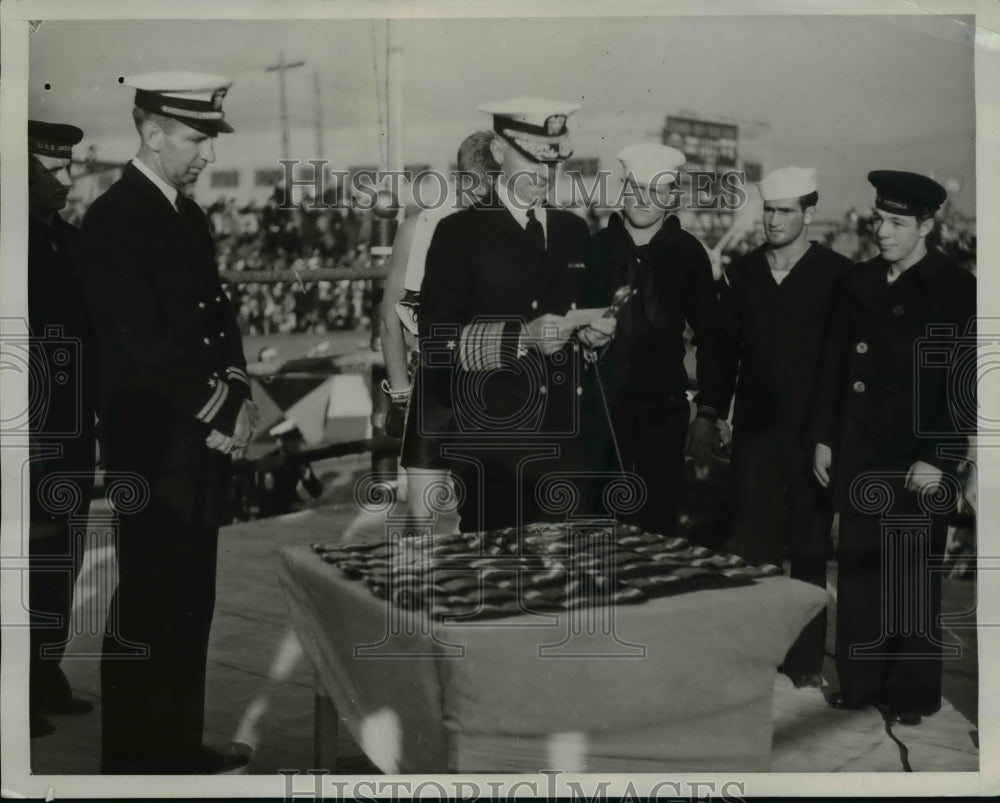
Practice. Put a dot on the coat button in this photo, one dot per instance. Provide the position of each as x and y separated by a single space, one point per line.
859 387
222 334
898 310
543 389
862 348
579 390
534 305
218 298
201 305
573 305
206 341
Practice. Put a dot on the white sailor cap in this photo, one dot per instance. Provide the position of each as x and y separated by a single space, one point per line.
536 127
648 163
193 98
787 182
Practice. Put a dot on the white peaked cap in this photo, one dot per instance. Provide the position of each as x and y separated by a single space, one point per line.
648 161
787 182
530 110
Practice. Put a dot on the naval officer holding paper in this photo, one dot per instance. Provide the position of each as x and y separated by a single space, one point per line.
501 363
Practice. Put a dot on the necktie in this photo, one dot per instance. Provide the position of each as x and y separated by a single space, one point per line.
535 231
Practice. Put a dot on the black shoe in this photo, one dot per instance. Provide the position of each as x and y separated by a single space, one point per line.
906 718
41 727
842 702
231 761
811 681
65 705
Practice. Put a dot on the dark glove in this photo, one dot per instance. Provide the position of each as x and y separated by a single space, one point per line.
395 419
702 440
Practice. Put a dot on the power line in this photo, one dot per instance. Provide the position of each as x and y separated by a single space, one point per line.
383 153
319 116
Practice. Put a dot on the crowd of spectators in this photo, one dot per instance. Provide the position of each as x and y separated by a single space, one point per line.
274 236
278 236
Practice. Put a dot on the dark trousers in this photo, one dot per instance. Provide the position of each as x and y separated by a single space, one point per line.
779 506
156 644
504 484
55 556
55 564
651 432
888 605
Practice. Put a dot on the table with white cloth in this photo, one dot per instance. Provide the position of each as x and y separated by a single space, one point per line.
679 683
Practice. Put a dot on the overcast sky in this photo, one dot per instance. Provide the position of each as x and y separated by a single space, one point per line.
845 94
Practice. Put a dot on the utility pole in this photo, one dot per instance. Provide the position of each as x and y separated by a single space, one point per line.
394 95
319 116
281 67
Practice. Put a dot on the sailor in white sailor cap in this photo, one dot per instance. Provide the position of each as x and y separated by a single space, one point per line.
175 405
499 280
645 246
779 297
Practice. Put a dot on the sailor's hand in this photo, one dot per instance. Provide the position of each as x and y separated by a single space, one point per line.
822 458
923 477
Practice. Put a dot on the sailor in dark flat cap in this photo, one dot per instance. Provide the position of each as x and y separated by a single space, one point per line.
175 406
63 438
500 380
890 428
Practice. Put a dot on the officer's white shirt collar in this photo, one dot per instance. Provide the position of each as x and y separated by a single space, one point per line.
161 185
519 211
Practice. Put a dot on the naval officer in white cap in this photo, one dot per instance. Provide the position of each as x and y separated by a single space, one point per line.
500 379
175 405
644 246
779 297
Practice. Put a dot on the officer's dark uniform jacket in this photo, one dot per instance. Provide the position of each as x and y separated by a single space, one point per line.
479 390
673 278
484 280
60 324
890 392
172 359
779 331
